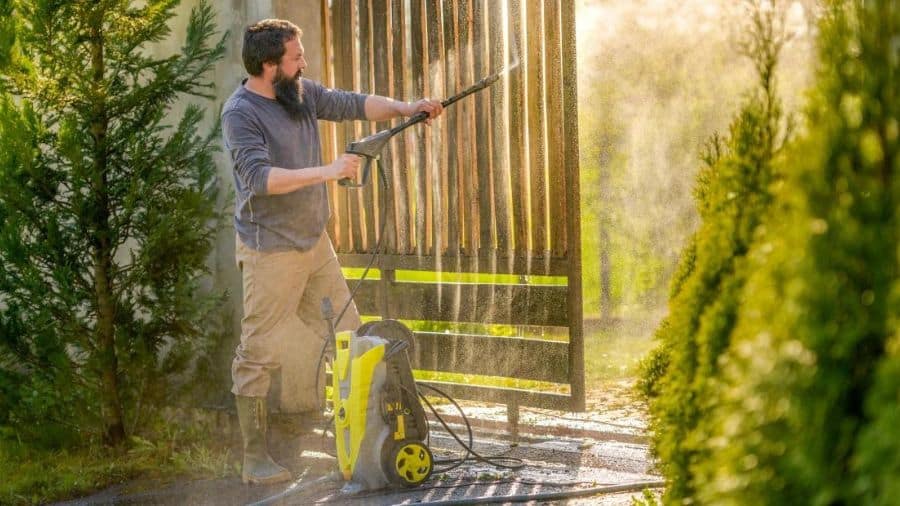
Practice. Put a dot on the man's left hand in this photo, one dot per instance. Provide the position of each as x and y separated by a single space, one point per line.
432 107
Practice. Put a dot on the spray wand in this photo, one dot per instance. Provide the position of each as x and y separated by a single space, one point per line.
371 147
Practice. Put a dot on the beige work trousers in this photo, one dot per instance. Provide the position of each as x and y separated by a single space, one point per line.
282 326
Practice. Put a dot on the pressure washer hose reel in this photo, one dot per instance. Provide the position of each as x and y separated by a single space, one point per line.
380 425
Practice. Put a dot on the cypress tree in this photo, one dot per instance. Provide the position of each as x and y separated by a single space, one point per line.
732 195
107 209
807 408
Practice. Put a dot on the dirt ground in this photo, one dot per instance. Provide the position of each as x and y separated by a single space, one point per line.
562 451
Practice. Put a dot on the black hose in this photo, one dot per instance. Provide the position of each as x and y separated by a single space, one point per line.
494 460
375 253
549 496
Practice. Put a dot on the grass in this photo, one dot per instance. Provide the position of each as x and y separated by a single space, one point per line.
613 354
172 449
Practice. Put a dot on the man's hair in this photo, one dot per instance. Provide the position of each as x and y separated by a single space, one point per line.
264 43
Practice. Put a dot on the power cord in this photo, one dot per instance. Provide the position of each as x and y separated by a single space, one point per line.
493 460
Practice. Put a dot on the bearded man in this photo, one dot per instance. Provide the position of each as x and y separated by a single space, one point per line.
286 259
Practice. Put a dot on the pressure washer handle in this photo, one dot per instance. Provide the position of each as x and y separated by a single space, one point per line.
348 183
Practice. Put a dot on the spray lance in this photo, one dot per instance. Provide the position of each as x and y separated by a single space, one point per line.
371 147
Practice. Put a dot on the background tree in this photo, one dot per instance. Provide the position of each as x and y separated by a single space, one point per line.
656 79
107 211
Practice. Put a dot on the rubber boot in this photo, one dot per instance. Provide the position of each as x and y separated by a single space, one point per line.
258 466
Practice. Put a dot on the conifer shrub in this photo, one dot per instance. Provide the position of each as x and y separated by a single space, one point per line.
807 400
732 195
107 212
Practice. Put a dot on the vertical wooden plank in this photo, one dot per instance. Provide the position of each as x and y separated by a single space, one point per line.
421 155
343 49
536 126
396 43
556 141
353 130
327 127
436 174
383 85
499 132
451 139
368 210
518 149
468 141
485 201
570 101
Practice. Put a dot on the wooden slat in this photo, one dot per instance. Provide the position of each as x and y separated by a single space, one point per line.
518 149
400 169
420 143
500 141
465 132
556 140
450 124
438 162
488 263
537 157
570 100
327 127
450 302
435 174
543 400
342 38
368 210
482 130
467 140
530 398
383 85
492 356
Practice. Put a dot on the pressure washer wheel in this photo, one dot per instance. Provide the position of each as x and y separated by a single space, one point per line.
408 463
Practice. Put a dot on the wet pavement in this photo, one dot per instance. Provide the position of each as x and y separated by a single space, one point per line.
561 452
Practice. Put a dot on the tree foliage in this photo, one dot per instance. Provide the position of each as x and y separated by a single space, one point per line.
778 377
107 210
732 195
807 404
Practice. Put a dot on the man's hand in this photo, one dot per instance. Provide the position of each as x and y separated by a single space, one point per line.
346 166
432 107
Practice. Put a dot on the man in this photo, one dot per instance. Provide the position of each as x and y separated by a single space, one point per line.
287 261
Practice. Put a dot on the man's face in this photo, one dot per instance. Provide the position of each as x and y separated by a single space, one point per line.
288 90
292 62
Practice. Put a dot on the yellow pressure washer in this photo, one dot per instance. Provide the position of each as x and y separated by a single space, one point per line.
379 424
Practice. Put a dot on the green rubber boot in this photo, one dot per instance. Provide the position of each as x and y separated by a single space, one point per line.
258 466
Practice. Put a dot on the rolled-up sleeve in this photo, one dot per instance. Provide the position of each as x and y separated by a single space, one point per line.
248 149
336 105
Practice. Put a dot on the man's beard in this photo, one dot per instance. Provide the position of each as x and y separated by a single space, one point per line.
289 93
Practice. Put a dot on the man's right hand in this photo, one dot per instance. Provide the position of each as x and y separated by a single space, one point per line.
346 166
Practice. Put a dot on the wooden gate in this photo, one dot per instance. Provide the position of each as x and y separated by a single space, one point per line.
483 207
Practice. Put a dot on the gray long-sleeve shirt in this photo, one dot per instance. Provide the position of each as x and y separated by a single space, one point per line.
259 134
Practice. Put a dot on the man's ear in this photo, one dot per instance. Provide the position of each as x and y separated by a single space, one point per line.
269 69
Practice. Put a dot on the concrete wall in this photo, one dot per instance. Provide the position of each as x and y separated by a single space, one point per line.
233 16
